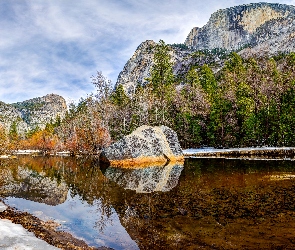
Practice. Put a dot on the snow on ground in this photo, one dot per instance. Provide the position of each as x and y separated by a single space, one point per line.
15 237
192 151
4 156
26 152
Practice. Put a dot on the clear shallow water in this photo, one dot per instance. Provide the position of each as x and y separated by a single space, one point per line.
82 220
207 203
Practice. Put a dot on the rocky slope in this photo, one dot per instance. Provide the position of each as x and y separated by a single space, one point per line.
242 26
252 29
36 112
137 69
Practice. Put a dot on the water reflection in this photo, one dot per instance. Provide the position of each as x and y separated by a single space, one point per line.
207 203
33 185
146 180
73 192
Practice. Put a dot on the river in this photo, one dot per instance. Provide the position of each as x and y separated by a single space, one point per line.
205 203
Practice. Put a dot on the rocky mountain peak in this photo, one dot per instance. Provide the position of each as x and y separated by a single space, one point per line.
36 112
136 70
236 27
258 29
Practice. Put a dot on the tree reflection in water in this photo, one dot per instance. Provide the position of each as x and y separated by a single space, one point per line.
209 202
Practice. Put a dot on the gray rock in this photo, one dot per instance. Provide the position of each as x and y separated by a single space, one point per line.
3 207
137 69
258 29
145 146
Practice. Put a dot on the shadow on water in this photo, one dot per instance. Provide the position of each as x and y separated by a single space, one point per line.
207 203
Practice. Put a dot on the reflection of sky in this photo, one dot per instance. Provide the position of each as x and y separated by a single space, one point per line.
82 220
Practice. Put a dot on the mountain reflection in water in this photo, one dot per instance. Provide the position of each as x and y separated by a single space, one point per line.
34 186
148 179
207 203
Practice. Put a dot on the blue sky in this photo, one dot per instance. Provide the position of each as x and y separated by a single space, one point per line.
55 46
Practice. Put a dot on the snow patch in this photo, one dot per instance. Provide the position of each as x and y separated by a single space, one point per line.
14 236
196 151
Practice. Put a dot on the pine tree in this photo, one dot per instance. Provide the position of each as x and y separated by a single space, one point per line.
208 81
161 72
119 97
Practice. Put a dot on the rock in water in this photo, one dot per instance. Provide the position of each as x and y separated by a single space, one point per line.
145 146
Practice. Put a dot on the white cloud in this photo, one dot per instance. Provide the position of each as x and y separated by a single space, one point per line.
55 46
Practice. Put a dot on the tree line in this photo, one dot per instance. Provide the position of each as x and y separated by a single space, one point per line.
248 102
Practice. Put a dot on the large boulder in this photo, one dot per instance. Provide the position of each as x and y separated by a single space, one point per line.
144 147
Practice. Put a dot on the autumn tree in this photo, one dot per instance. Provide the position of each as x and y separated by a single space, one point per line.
4 143
83 130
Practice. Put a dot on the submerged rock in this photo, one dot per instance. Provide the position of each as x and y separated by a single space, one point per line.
3 207
144 147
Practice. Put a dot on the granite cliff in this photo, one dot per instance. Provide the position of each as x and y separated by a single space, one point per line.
259 29
36 112
245 26
137 69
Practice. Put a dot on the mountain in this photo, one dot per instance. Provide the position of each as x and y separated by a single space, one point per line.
137 69
259 26
258 29
36 112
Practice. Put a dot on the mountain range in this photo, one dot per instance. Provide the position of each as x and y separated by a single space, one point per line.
258 29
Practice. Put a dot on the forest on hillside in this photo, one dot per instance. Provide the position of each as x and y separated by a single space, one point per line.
247 103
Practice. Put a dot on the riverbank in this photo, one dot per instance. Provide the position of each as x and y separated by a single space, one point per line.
31 152
18 227
244 153
250 153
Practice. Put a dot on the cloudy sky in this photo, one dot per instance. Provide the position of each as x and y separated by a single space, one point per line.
55 46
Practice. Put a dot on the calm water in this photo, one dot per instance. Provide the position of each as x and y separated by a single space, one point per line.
205 204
